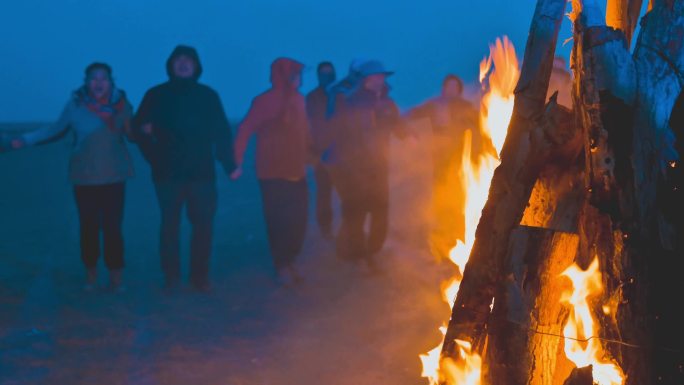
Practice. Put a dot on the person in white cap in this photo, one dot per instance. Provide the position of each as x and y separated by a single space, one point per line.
357 151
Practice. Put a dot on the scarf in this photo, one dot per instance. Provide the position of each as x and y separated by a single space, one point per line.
107 110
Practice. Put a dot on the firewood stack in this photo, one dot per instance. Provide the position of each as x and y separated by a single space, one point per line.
585 183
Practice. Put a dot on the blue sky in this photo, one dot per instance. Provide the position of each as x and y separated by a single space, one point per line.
46 44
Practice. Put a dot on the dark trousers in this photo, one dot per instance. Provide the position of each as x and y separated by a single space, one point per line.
324 190
285 212
363 195
100 210
200 199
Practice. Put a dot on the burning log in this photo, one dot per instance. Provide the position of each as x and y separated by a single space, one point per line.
623 15
622 106
531 137
653 246
523 346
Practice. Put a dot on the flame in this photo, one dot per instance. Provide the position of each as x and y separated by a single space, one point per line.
500 71
581 326
498 102
576 10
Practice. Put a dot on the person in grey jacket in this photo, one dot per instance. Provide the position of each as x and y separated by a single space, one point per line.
98 115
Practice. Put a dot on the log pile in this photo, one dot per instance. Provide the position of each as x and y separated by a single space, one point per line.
574 185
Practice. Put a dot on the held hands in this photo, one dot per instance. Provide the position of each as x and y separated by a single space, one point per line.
412 139
146 129
11 142
17 143
237 173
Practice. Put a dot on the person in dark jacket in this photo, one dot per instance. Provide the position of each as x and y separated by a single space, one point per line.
344 87
357 144
450 116
278 119
98 115
181 129
316 109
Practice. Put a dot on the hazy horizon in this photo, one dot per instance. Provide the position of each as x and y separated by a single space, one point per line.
52 41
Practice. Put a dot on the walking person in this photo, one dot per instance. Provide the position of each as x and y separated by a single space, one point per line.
450 116
98 116
358 142
316 108
182 129
278 119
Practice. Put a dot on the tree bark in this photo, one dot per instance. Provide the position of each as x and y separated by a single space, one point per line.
623 15
652 262
581 376
516 354
557 197
529 140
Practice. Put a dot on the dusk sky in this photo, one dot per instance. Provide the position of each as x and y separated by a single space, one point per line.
47 43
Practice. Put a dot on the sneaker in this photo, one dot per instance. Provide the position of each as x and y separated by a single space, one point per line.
171 286
202 287
327 234
370 267
91 280
284 277
296 277
116 281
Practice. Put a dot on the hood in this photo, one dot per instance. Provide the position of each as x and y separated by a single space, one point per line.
187 51
282 70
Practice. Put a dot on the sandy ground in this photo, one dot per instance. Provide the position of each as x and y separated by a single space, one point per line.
339 327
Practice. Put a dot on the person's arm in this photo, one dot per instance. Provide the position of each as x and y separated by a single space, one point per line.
254 119
141 127
223 137
49 133
332 125
391 115
313 156
127 117
419 112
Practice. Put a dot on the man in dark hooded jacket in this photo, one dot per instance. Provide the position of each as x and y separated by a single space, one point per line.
181 129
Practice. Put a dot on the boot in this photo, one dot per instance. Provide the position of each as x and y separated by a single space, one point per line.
91 279
116 281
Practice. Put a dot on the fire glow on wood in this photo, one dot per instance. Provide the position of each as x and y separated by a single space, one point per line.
581 327
498 74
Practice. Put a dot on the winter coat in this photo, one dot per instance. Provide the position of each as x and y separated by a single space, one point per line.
278 119
450 118
99 154
316 110
189 128
358 135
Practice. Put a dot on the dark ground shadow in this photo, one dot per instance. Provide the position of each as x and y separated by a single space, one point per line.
339 327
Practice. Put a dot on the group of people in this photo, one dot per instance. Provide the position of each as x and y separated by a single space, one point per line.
341 128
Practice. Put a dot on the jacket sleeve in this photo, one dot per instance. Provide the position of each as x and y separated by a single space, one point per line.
223 137
312 155
51 132
391 115
127 121
419 112
249 125
145 142
333 124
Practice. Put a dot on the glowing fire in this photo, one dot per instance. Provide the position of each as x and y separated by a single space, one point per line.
581 326
498 102
500 71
